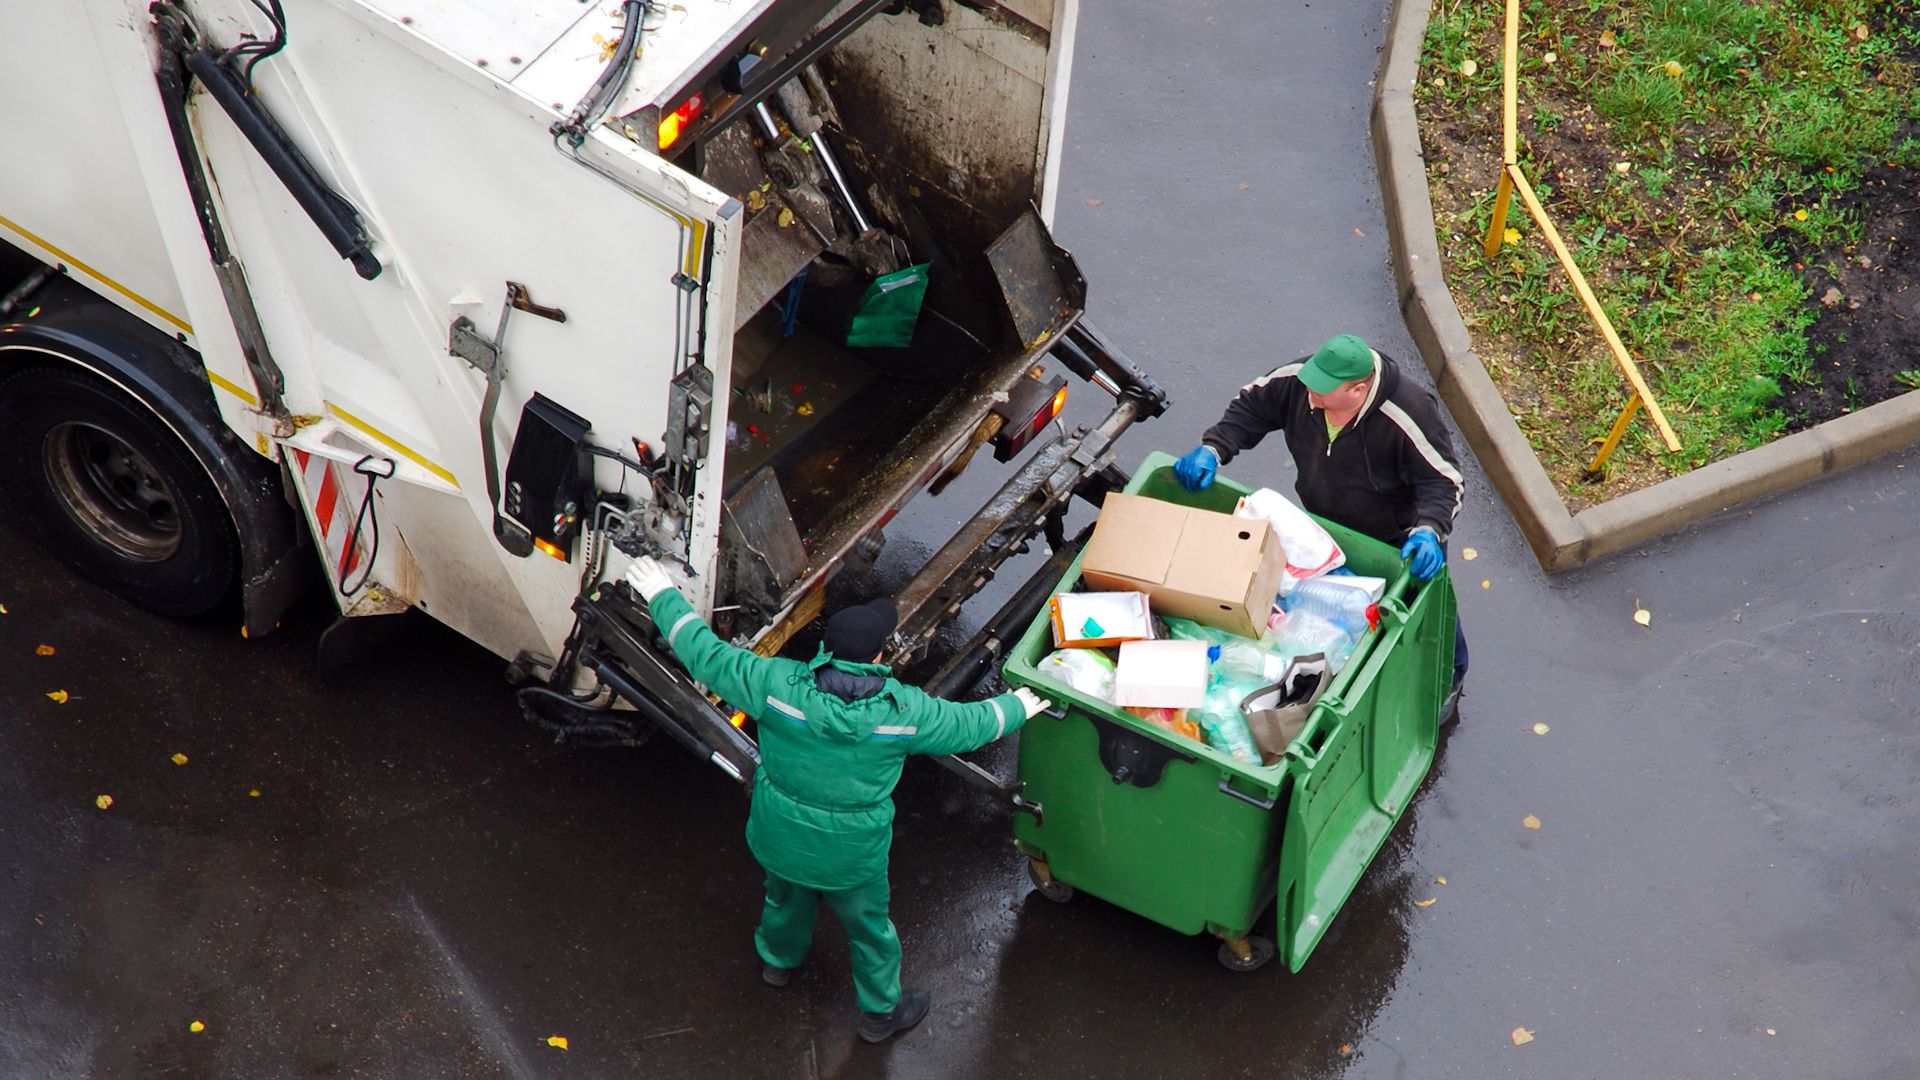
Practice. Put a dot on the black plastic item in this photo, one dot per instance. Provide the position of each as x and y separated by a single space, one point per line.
1133 758
549 472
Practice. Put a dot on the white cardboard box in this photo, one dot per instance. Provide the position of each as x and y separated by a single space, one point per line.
1162 674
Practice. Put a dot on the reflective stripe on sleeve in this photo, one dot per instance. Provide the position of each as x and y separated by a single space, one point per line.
896 731
1000 714
1421 443
783 707
1280 372
680 622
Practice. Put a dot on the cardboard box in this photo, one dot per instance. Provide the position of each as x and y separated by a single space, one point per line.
1162 674
1094 619
1215 569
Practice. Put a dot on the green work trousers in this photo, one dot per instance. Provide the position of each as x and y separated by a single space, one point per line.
786 931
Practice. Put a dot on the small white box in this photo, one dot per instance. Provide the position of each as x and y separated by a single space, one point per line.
1162 674
1095 619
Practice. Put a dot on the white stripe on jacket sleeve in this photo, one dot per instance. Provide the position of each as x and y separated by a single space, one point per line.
1432 456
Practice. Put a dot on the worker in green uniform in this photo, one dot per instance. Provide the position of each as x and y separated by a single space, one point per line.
834 734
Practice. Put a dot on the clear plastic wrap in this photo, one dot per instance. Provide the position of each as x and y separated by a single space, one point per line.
1086 670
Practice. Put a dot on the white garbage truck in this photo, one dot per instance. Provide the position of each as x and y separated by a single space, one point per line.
471 303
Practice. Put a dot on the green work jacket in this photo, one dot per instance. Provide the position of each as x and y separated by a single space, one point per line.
822 812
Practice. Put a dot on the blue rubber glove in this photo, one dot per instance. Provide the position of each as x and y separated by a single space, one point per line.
1195 471
1422 553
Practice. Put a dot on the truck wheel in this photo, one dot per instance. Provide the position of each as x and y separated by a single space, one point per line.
111 490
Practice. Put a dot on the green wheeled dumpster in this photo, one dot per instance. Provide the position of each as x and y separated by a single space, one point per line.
1187 836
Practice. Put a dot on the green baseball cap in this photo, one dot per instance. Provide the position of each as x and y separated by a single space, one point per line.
1342 359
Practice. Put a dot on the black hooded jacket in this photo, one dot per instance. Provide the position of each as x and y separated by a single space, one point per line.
1390 470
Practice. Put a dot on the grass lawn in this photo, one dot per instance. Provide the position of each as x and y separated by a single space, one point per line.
1720 169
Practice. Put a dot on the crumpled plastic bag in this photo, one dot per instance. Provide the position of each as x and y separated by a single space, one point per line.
1310 548
1302 633
1222 722
889 310
1086 670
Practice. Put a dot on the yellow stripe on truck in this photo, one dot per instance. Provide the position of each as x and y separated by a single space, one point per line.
68 259
233 388
392 443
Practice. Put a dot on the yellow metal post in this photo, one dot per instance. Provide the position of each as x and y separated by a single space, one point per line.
1592 303
1502 198
1510 130
1614 436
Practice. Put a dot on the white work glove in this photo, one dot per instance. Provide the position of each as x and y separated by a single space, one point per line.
1032 702
647 579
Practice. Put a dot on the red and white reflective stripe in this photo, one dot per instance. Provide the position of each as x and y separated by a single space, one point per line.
333 508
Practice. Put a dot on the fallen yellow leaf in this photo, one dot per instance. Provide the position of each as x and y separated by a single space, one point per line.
1673 68
1428 902
1799 215
253 793
1541 729
3 609
1521 1036
1469 554
1606 39
785 218
558 1042
1641 615
1860 33
43 650
1530 822
103 801
196 1027
179 759
1486 584
1345 1049
1550 58
1468 68
58 697
1440 879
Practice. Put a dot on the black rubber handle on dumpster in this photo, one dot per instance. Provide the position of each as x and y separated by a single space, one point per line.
1227 788
1130 757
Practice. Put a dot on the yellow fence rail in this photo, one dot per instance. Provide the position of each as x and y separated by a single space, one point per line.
1513 180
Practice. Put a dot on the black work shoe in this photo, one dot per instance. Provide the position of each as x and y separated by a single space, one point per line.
913 1006
775 976
1450 705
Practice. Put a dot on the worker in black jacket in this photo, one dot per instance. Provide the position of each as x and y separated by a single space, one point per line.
1372 452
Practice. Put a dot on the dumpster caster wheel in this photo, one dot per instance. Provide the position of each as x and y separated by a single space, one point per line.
1049 886
1249 954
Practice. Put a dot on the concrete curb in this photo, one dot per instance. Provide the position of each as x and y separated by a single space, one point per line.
1561 540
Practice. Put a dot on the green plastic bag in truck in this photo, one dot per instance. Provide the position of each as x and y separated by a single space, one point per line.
1185 835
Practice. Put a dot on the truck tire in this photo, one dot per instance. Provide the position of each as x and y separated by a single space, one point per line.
109 488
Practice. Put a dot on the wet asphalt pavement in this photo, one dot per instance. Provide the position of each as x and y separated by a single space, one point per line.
1724 883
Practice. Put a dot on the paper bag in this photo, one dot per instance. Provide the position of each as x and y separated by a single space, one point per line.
1273 722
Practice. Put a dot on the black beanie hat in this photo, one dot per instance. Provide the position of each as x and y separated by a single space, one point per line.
857 634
